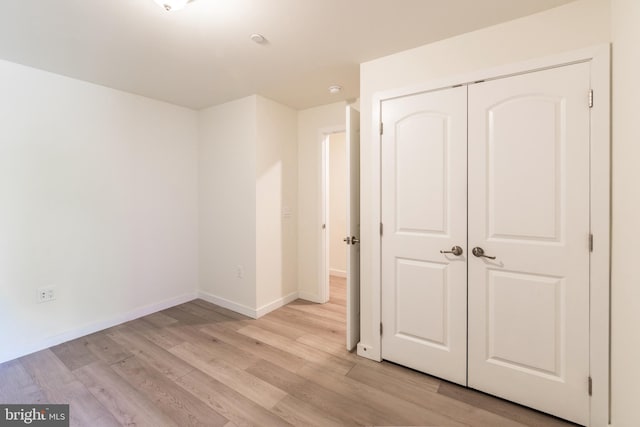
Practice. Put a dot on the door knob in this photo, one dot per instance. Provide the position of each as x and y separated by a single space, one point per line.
347 240
479 252
456 250
354 240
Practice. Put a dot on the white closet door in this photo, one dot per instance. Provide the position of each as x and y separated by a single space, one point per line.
424 192
529 208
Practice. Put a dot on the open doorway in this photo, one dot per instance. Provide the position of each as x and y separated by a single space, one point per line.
336 210
340 271
334 213
335 207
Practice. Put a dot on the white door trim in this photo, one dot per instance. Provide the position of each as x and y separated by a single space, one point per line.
600 194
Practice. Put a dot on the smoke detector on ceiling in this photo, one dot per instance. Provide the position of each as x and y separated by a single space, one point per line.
258 38
172 5
335 89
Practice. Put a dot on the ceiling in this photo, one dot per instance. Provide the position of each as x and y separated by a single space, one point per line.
202 55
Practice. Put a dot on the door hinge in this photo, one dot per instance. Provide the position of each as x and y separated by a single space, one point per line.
381 128
590 387
380 328
381 229
590 242
590 98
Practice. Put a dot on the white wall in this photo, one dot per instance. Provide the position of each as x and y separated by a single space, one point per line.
98 198
276 204
579 24
313 123
337 203
248 187
625 295
227 190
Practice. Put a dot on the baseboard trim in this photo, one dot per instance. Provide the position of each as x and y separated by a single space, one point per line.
228 304
310 297
248 311
337 273
99 326
280 302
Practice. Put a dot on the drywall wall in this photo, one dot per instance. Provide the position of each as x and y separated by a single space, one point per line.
98 198
337 204
276 190
248 197
313 126
575 25
625 336
227 204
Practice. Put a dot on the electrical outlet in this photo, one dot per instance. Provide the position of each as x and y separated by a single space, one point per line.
240 272
46 294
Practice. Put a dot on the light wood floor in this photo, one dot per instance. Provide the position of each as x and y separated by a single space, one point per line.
199 364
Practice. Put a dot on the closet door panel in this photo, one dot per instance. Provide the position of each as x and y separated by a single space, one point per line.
529 208
424 192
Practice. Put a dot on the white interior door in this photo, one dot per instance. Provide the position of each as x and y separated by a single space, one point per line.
353 227
424 212
529 208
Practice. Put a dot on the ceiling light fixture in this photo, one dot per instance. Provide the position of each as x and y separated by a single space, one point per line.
172 5
258 38
334 89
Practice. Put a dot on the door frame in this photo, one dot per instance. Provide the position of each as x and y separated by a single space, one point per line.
600 202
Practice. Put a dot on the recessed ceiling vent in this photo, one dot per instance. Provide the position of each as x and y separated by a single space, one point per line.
172 5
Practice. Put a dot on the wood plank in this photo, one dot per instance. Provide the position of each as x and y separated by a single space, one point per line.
105 348
309 319
227 402
329 346
160 359
74 354
429 399
251 387
318 310
210 347
162 337
399 410
402 374
221 310
279 357
183 317
501 407
300 413
338 300
17 386
172 400
123 400
295 330
280 327
61 386
393 383
309 323
47 370
159 320
84 408
304 351
335 404
212 316
336 308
